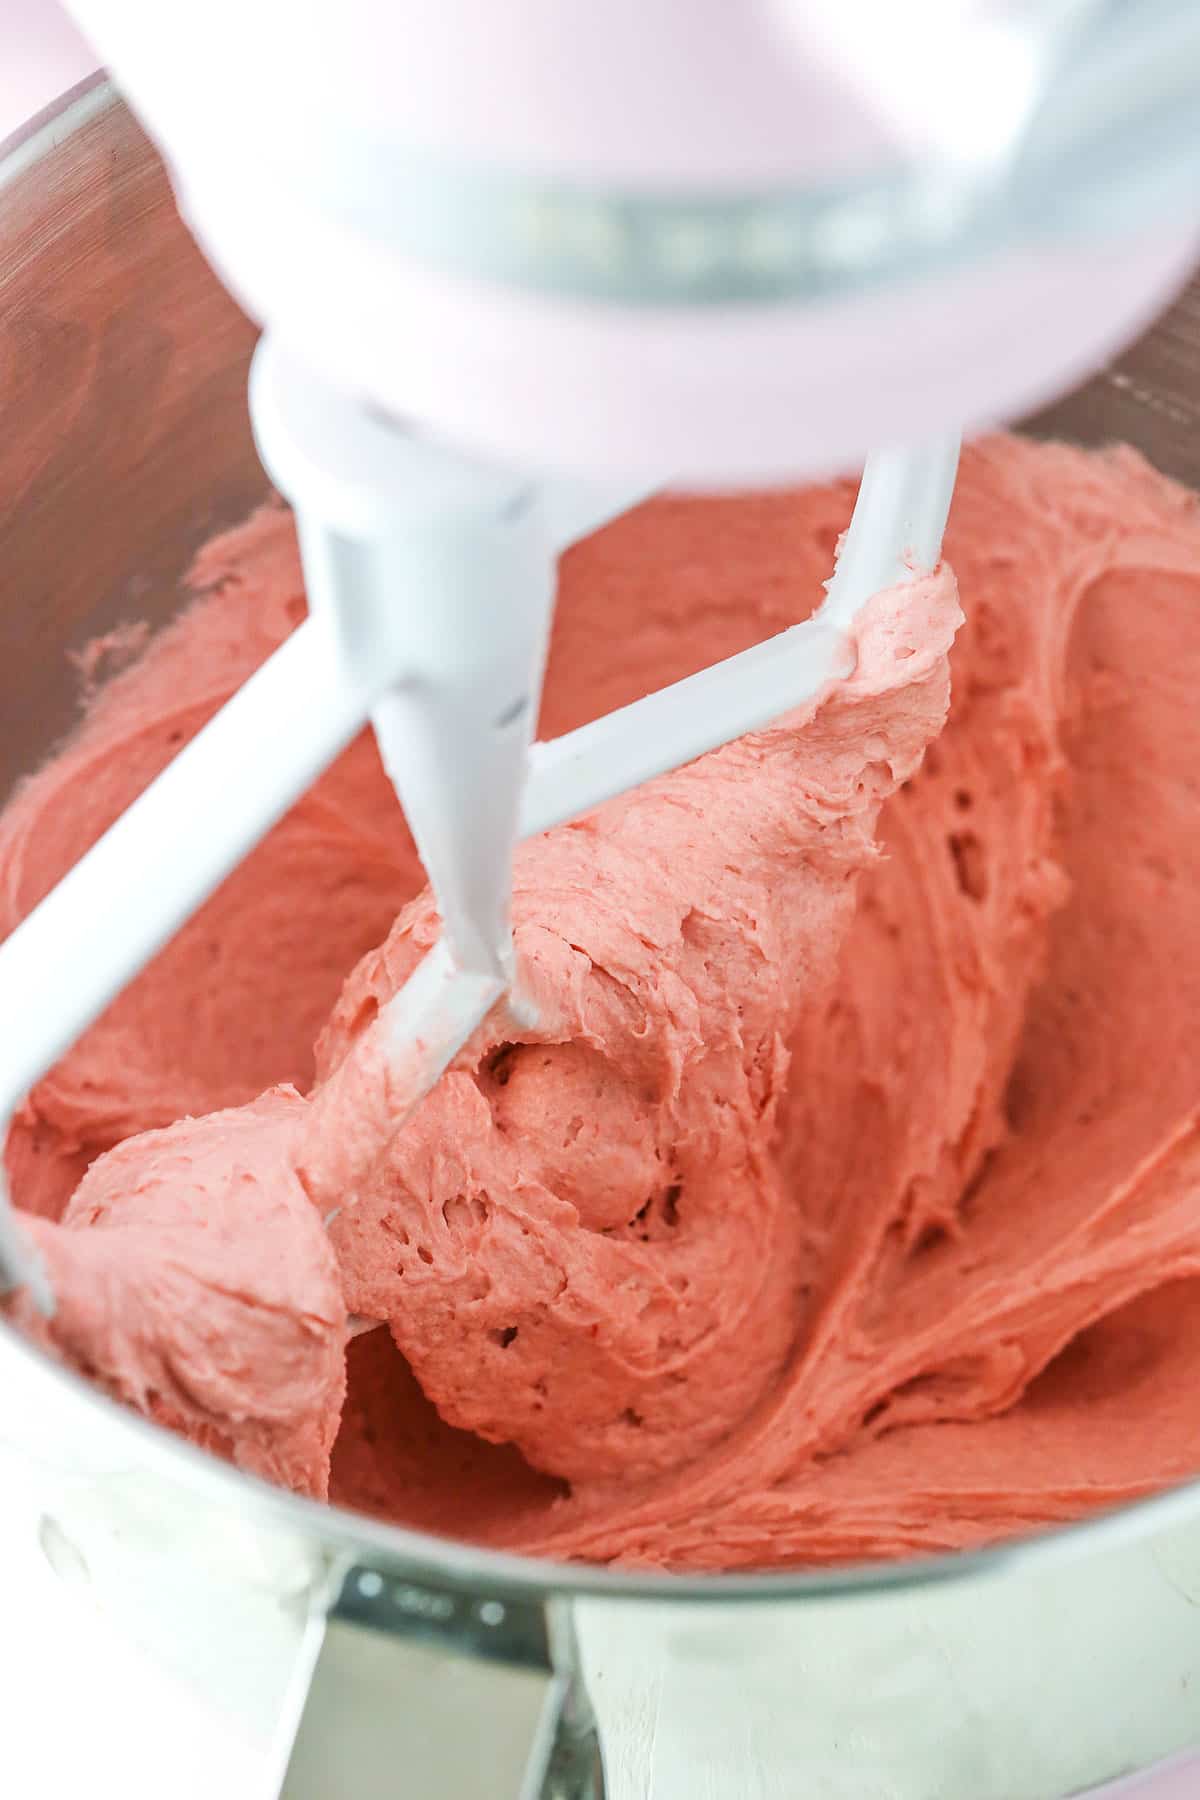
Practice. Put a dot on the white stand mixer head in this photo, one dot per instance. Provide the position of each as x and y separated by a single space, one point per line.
722 242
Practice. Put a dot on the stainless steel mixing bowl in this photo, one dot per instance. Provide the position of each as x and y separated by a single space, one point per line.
1024 1673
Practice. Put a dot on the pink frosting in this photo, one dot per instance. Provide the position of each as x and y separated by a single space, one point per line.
193 1278
842 1202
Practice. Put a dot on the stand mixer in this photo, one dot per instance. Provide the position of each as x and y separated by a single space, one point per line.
622 291
1145 278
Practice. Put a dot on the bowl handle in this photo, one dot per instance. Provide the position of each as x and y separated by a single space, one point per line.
407 1687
